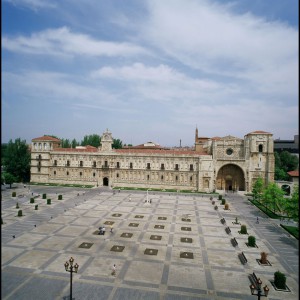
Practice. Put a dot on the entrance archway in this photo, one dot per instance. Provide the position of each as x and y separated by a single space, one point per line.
105 181
231 178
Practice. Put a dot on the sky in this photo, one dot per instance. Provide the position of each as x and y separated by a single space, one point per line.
150 70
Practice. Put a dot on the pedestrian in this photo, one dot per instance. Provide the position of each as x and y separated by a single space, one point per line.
114 269
103 230
257 220
111 228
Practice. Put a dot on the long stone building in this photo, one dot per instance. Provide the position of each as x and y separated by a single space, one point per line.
219 163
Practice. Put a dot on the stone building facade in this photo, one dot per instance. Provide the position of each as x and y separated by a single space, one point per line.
227 163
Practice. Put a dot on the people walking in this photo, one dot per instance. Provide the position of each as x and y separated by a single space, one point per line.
114 270
257 220
103 230
111 228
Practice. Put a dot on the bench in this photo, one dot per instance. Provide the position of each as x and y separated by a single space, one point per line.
227 229
234 242
223 221
243 258
254 279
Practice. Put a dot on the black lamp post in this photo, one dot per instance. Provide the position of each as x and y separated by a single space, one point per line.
259 291
70 268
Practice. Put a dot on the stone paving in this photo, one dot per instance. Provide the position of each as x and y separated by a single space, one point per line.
174 248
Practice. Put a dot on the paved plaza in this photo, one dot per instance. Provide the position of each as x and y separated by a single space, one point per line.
175 247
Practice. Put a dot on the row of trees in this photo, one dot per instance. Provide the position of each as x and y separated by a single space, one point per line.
272 197
92 140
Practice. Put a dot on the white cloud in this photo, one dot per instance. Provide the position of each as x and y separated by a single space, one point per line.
33 4
211 38
62 41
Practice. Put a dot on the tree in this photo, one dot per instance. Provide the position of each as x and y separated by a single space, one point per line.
9 179
92 140
74 143
273 196
291 206
284 162
17 160
257 189
117 144
65 143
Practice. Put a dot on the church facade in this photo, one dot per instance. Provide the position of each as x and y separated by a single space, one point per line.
219 163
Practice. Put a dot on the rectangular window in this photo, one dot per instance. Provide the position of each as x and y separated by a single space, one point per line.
191 167
106 163
118 165
68 163
80 173
94 174
130 165
55 162
39 169
94 164
148 177
81 163
54 172
177 167
148 166
162 166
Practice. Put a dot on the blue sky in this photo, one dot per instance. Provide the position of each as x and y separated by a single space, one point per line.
149 70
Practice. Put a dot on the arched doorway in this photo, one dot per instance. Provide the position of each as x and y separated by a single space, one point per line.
231 178
105 181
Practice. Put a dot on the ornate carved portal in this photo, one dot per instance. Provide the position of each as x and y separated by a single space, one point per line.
231 178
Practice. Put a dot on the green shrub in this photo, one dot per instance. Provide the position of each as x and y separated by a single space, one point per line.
20 213
279 280
59 197
48 201
223 201
13 194
226 206
44 196
243 229
220 197
251 241
17 205
31 200
36 207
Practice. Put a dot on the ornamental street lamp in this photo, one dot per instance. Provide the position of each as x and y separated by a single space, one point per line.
70 268
259 291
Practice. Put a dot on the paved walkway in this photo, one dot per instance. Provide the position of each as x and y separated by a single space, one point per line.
174 248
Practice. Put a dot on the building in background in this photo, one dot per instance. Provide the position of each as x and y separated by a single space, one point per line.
291 146
215 164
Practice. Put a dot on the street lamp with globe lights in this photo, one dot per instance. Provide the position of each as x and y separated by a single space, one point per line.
70 268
